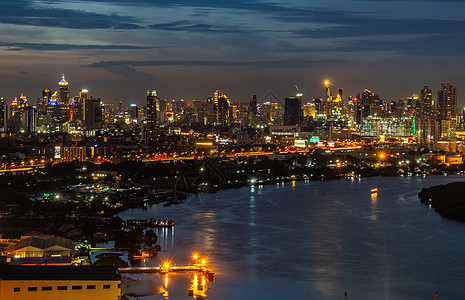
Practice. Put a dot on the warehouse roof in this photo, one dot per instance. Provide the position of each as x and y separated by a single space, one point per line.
9 272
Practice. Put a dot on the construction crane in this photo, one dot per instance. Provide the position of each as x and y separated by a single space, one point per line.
299 94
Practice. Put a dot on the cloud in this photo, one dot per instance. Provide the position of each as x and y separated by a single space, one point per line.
129 73
353 27
64 47
189 63
194 27
24 12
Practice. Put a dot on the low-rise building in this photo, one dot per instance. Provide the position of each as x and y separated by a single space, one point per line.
64 282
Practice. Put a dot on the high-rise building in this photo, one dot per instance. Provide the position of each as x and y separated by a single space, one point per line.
426 103
81 105
292 111
63 91
222 108
254 105
151 114
93 114
29 120
447 101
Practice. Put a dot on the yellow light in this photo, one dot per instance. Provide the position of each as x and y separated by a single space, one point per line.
167 266
196 256
204 262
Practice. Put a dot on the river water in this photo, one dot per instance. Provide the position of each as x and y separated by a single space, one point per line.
313 240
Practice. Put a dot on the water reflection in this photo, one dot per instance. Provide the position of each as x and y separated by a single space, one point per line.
374 206
198 286
165 287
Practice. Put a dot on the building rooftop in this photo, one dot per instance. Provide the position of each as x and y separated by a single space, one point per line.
9 272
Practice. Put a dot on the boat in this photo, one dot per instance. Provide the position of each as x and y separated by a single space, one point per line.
160 223
375 190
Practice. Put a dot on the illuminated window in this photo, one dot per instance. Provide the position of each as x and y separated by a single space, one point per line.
106 286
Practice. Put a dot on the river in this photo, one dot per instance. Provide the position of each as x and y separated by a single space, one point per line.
313 240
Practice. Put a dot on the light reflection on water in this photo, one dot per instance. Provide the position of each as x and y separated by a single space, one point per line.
316 240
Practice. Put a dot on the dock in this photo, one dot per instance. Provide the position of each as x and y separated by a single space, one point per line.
171 269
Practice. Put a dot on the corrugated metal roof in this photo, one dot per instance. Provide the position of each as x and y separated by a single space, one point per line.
60 273
45 243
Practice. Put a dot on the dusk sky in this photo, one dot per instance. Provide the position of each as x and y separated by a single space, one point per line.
187 49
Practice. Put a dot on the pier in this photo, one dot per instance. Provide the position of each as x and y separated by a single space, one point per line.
200 266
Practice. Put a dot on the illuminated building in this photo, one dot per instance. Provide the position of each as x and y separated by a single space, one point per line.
133 112
389 127
73 153
309 112
292 111
426 103
59 282
222 108
151 114
80 105
269 113
368 104
447 101
29 120
41 246
63 91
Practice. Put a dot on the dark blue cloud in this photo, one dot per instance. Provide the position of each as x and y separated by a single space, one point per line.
195 27
23 12
356 27
64 47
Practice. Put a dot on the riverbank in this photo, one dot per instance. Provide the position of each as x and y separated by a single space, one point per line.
448 200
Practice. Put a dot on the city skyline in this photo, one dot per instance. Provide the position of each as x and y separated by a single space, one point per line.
119 49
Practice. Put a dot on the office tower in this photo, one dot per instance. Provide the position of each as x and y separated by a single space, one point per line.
81 105
63 91
447 101
133 112
309 113
29 120
328 100
222 108
151 114
426 103
292 111
254 105
93 114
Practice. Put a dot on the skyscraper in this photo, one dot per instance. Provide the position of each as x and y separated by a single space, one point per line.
63 91
93 114
151 115
447 101
426 103
292 111
254 105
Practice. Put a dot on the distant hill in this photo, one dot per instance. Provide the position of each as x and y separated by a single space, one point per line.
448 199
